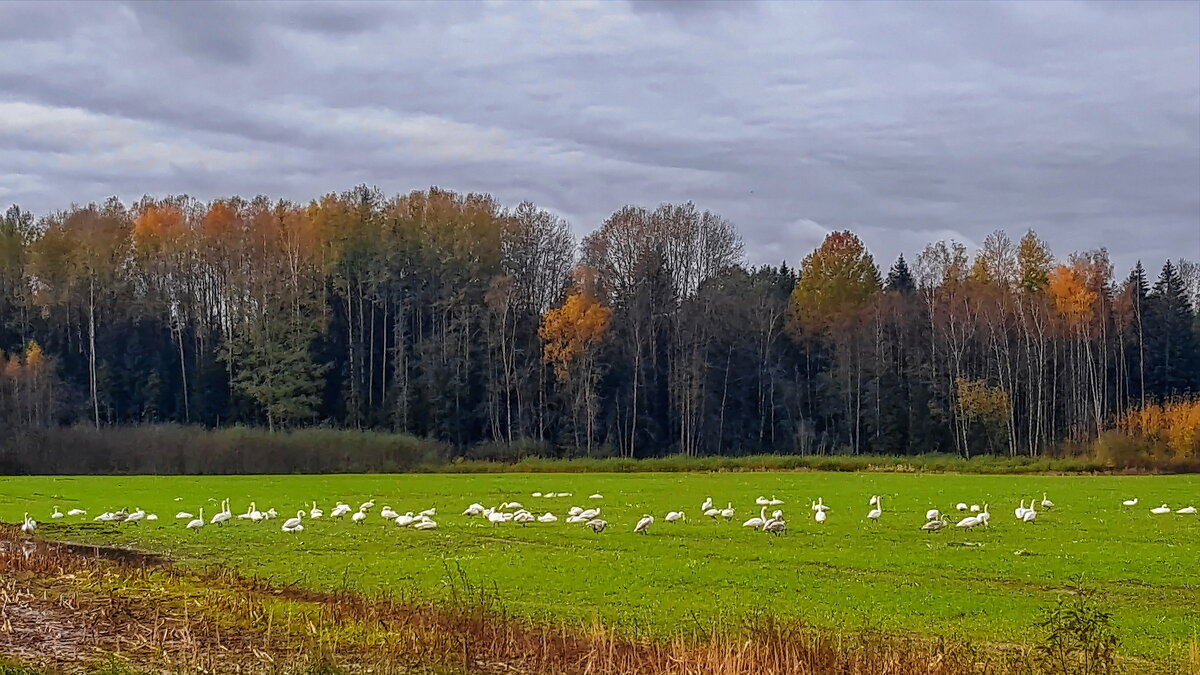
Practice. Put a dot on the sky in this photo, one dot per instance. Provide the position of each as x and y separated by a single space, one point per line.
904 122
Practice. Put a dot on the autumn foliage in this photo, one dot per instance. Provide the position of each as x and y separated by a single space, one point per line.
572 330
1173 425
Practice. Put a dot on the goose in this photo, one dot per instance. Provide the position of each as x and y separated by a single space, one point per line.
727 512
1161 510
643 525
819 516
360 515
932 514
294 525
388 513
675 516
1046 503
1019 512
597 525
315 512
183 514
758 521
706 505
596 496
426 524
775 526
57 513
547 518
76 512
820 505
197 523
28 525
974 508
1130 502
877 511
405 519
934 525
961 506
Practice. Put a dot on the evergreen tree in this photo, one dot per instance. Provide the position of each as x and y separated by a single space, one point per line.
1172 352
899 278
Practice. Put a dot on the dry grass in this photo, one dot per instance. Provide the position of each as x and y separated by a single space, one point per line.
67 609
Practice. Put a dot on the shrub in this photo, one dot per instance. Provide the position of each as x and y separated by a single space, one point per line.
1079 637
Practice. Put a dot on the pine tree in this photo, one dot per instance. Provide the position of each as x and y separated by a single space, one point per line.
899 278
1172 352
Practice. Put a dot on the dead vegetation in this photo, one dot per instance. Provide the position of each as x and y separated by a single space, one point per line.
73 609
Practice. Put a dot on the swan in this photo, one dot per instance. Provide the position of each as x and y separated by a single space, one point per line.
877 511
706 505
223 516
727 512
1161 510
151 516
643 525
1030 513
76 512
28 525
874 501
536 494
819 516
932 514
934 525
495 518
1019 512
512 505
712 513
256 516
968 522
1187 509
270 513
1130 502
574 511
984 516
293 525
1046 503
339 510
961 506
762 501
183 514
775 526
774 501
406 519
197 523
777 513
820 505
474 510
388 513
674 516
596 496
367 505
589 514
547 518
758 521
974 508
597 525
135 517
523 517
426 524
429 512
57 513
250 509
315 512
360 515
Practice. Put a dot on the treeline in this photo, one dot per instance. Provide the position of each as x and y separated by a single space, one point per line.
452 318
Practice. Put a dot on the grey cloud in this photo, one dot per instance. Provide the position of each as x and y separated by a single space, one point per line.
905 123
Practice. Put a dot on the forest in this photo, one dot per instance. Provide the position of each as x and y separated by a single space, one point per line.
452 317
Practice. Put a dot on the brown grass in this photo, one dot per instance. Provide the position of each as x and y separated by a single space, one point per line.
69 609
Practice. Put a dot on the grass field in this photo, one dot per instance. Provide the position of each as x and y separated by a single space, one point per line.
685 578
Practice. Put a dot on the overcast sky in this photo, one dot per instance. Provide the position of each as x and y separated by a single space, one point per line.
906 123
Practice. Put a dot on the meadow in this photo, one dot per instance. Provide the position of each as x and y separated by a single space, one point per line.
989 585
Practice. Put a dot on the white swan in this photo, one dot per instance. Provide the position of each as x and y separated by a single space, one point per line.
57 513
547 518
968 522
1130 502
76 512
758 521
135 517
315 512
774 501
877 511
293 525
1161 510
1030 513
934 525
495 517
762 501
360 515
1019 512
596 496
197 523
522 517
974 508
675 516
727 513
1046 503
388 513
574 511
712 513
932 514
643 525
819 516
28 525
589 514
426 524
961 506
820 505
405 519
474 510
183 514
1187 509
223 516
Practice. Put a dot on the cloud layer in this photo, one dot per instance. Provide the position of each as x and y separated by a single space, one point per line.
905 122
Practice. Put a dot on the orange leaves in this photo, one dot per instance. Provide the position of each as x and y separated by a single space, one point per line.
157 225
221 221
836 281
1074 300
572 330
15 367
1175 424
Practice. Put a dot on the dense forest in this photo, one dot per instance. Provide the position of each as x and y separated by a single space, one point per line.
451 317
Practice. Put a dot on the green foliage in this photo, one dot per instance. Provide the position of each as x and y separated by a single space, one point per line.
1079 637
276 370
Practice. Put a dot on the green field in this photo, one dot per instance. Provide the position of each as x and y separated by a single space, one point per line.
685 578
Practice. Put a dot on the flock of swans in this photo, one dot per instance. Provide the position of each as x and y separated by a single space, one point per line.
590 517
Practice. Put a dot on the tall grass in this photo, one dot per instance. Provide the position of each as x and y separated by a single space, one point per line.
170 449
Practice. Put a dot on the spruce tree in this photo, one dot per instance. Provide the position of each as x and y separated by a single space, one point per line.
1172 349
899 278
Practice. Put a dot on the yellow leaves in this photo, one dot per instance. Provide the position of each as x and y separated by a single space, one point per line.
571 330
1175 424
1074 300
35 358
33 363
836 280
979 401
156 226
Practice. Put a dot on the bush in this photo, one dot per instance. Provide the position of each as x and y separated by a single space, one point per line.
1079 637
